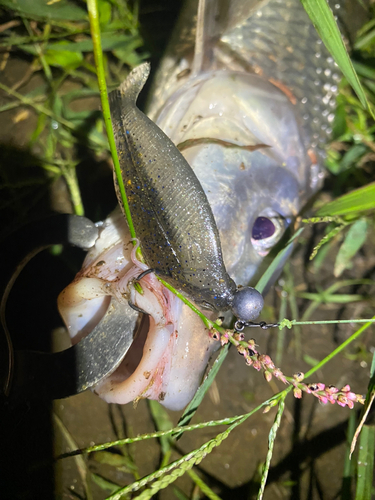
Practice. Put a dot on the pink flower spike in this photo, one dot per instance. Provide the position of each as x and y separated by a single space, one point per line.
346 388
350 404
321 386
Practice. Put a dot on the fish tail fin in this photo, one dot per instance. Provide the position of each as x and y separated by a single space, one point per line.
131 87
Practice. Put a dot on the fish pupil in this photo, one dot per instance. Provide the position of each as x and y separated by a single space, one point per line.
262 228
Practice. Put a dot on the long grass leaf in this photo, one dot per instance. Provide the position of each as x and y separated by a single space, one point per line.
277 262
199 395
92 7
358 200
365 463
271 443
353 241
322 18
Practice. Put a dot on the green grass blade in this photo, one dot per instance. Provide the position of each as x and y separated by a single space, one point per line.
203 388
325 24
365 463
358 200
280 257
271 443
347 476
205 489
354 240
92 6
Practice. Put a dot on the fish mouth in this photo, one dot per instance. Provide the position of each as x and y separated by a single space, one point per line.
171 346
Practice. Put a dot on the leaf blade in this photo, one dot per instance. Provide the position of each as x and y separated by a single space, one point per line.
358 200
324 22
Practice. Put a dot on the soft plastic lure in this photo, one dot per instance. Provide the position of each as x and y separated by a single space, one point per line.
171 214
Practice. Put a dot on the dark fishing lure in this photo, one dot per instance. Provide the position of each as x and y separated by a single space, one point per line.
170 211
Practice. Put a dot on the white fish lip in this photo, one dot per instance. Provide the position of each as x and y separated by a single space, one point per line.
171 346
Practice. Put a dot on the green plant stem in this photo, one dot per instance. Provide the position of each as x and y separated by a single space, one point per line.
152 435
93 11
207 322
70 175
331 322
185 463
206 490
340 347
271 443
281 333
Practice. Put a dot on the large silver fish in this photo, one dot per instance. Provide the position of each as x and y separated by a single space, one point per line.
247 94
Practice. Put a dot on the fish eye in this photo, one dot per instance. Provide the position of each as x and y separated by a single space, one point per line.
263 228
267 230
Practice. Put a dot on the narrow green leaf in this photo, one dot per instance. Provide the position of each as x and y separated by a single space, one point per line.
104 484
92 7
370 397
365 463
203 388
356 201
42 9
63 58
114 459
348 472
354 239
271 443
277 262
322 18
162 423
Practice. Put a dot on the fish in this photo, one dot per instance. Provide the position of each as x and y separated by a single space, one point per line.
246 93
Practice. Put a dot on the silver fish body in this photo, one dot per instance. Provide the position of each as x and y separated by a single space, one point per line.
264 80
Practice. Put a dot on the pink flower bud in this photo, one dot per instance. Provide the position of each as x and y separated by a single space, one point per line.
297 393
322 399
268 376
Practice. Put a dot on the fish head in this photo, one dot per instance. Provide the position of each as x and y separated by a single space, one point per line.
241 136
170 345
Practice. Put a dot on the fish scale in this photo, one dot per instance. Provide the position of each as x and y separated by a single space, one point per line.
282 44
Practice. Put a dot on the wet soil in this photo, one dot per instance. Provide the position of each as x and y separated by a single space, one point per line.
309 454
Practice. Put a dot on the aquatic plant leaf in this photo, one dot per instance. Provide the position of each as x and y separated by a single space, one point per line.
365 463
358 200
354 239
322 18
63 10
